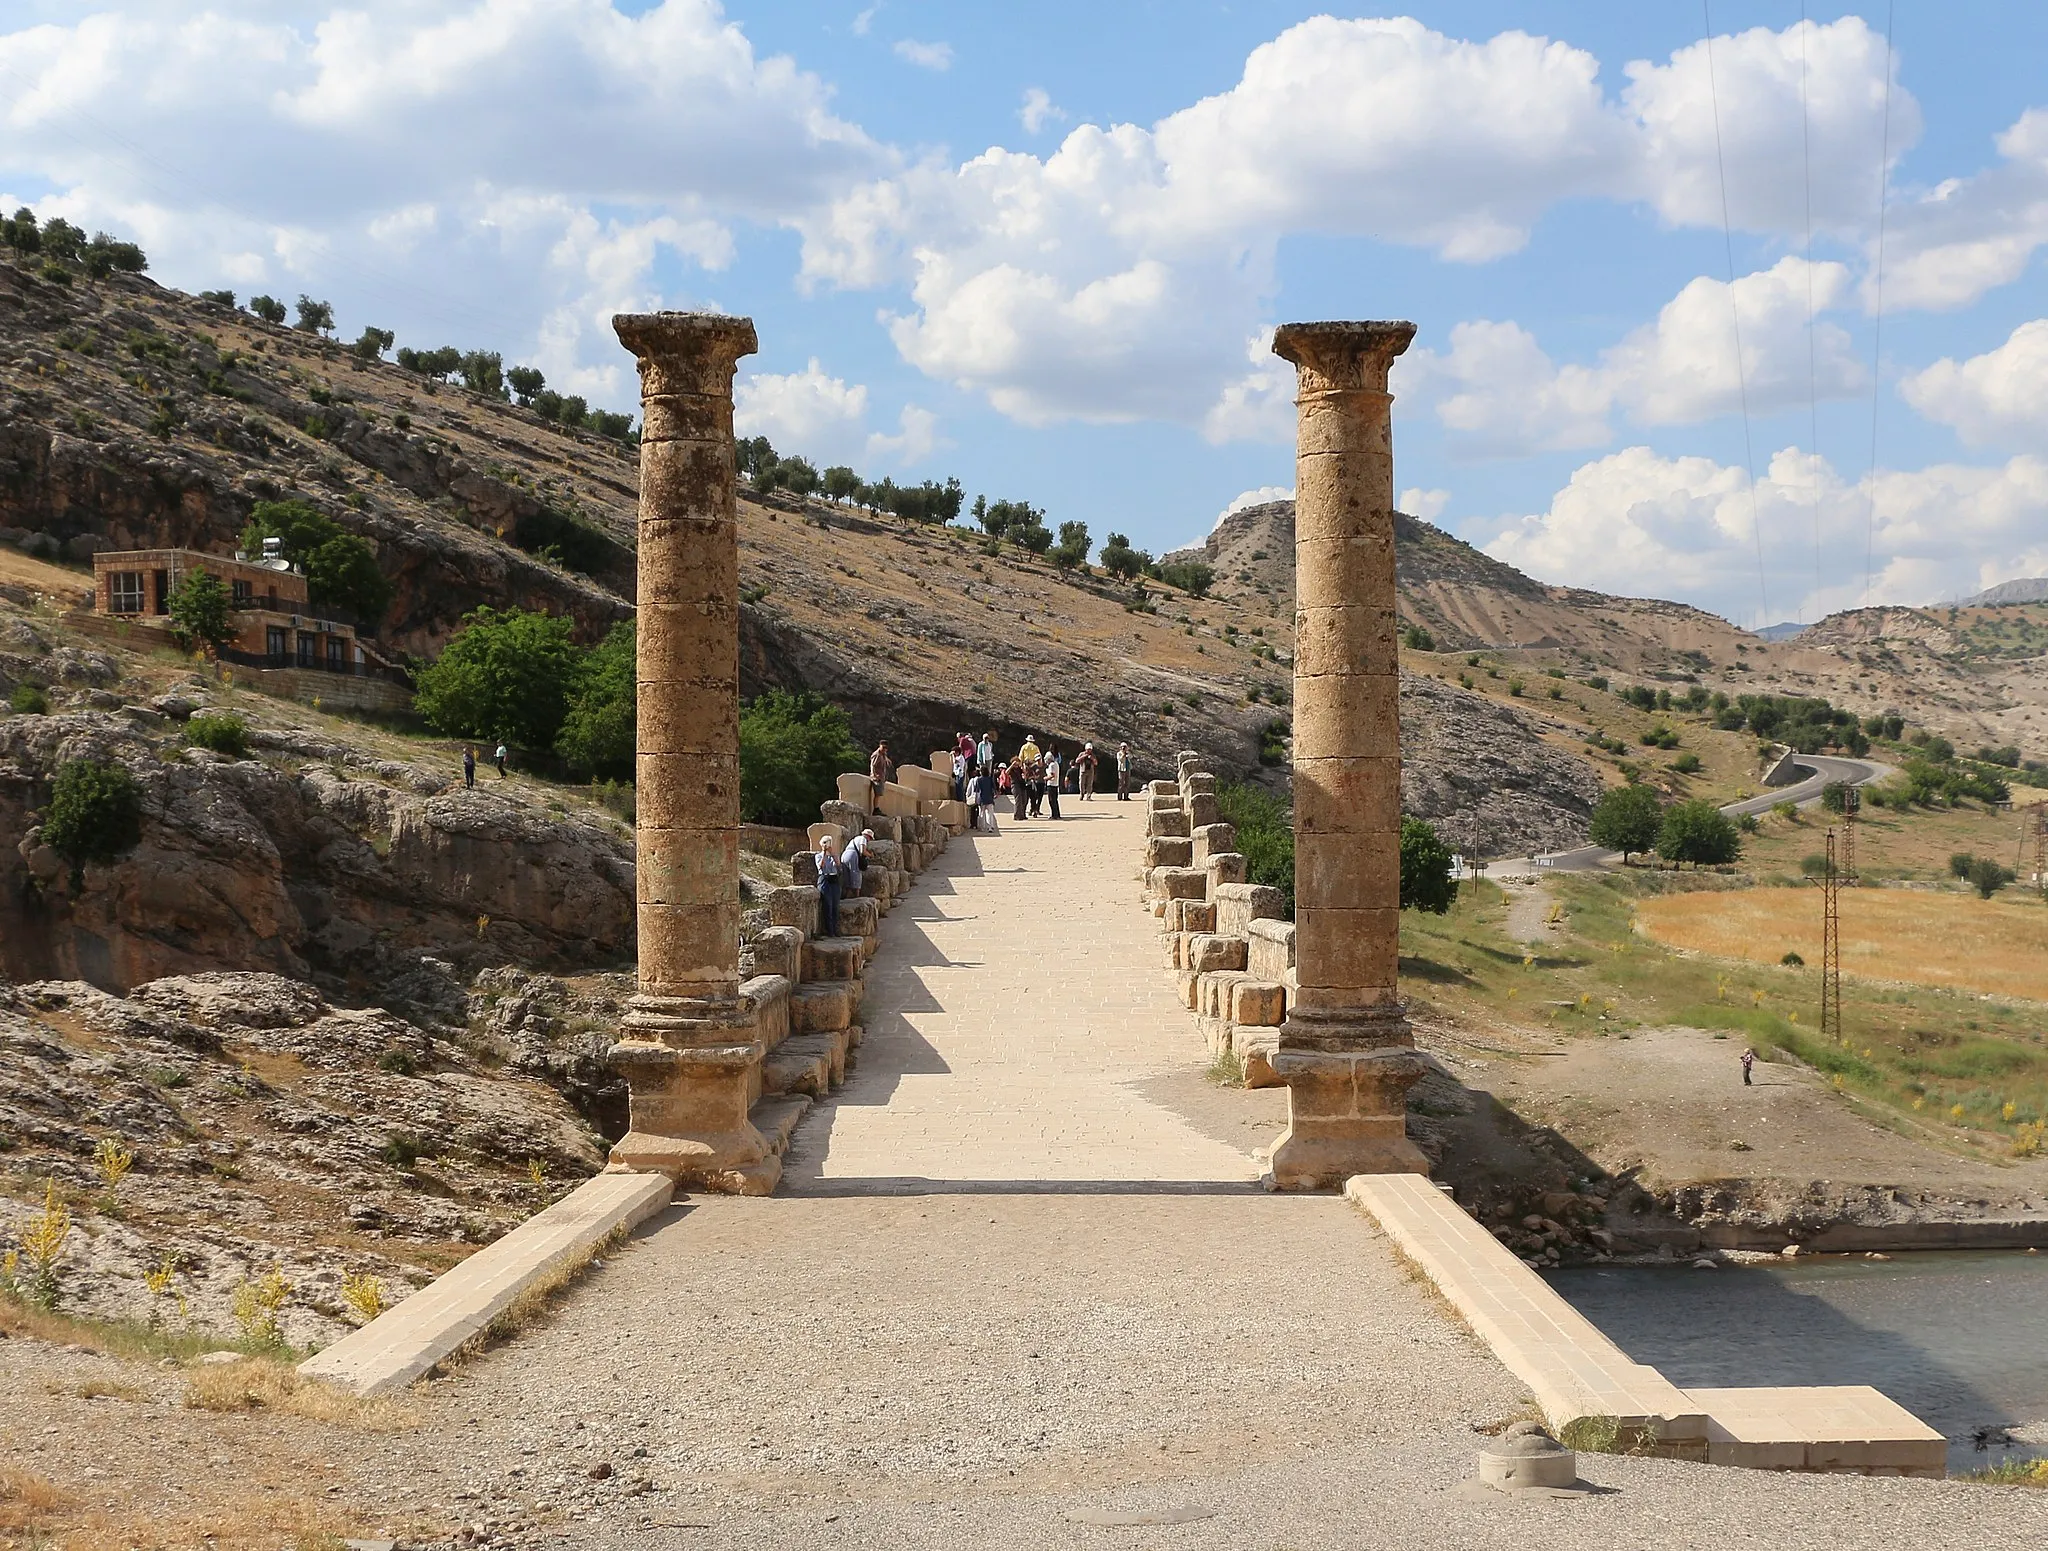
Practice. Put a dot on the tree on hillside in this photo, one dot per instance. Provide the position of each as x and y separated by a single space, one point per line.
1072 549
793 749
199 612
797 475
107 254
1426 881
371 344
1698 832
525 382
597 736
506 675
218 298
991 519
314 317
483 371
1122 561
21 233
1988 877
1034 536
840 482
1626 819
1192 577
341 569
268 308
62 240
95 813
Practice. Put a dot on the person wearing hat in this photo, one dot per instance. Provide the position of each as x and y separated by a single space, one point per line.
1123 772
1084 771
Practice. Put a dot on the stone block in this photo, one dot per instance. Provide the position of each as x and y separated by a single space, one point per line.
884 856
832 958
1224 867
942 762
1176 883
1260 1003
819 834
803 868
1207 951
856 791
1240 904
1166 821
1255 1048
1202 809
898 801
1163 789
1272 949
794 906
778 950
886 826
1212 993
851 820
1191 915
858 918
1197 781
1185 983
769 994
1176 949
954 816
923 783
823 1007
1212 840
1169 851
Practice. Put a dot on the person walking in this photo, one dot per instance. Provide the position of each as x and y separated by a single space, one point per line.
1084 771
985 801
827 858
1748 1065
1053 772
469 766
1014 773
881 770
1123 772
501 757
985 752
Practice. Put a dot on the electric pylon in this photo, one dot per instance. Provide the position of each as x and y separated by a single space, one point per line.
1831 949
1852 802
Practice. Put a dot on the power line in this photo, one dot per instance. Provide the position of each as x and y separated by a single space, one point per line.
1735 319
1812 370
1877 322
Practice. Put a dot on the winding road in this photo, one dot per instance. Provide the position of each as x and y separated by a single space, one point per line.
1826 769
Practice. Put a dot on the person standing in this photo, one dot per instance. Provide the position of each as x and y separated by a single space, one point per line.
469 766
985 800
1052 779
961 765
501 757
881 770
985 752
827 858
1084 771
1748 1065
1034 779
1123 772
1014 770
853 861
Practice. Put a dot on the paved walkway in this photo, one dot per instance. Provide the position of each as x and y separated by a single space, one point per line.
1019 998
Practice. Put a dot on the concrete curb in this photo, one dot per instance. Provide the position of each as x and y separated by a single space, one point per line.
400 1346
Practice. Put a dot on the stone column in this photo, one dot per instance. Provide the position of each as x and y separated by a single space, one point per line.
1345 1052
688 1045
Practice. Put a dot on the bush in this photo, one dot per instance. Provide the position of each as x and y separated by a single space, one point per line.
1698 832
95 813
1626 820
199 612
340 568
1273 741
1190 576
1834 797
505 675
1417 639
1988 877
1792 960
402 1149
793 749
268 308
1265 836
219 731
1960 863
1686 764
30 700
597 733
1814 864
1426 881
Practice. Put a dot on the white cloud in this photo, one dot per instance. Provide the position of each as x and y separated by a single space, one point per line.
926 56
1039 110
1968 235
1426 504
805 412
864 20
1119 276
916 439
1501 396
454 170
1638 523
1262 496
2000 397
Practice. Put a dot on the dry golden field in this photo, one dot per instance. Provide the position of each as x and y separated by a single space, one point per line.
1955 941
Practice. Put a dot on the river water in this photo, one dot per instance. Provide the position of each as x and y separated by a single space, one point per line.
1958 1339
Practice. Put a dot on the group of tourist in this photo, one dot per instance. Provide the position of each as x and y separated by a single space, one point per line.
1032 779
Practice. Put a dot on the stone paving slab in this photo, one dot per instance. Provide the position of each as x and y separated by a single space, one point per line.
402 1344
1847 1428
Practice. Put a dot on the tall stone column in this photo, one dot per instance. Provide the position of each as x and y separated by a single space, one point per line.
688 1045
1345 1052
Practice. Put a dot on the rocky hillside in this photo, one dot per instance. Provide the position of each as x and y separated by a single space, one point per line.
1976 679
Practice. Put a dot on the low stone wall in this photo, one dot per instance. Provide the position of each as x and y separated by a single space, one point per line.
1232 955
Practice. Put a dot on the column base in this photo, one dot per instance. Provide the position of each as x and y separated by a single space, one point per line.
1347 1109
693 1069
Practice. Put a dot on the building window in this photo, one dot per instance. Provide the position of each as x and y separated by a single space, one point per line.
124 592
243 596
275 645
163 591
307 641
334 662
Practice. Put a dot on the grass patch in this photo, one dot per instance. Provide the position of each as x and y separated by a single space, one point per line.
1227 1069
27 1502
266 1384
2012 1472
132 1340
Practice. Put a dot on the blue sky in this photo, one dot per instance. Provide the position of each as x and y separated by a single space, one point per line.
1039 247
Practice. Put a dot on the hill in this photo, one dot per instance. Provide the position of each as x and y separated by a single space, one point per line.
1971 674
2026 589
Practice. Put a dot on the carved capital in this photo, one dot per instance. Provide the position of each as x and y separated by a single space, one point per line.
686 352
1342 357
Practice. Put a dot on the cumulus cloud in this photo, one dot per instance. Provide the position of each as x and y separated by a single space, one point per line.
460 166
1038 110
1119 276
1426 504
2000 397
926 56
1640 523
1967 236
1501 395
915 439
809 412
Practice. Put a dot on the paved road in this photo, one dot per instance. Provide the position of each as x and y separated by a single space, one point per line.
1826 768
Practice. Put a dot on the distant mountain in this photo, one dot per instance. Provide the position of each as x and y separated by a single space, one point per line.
2026 589
1779 632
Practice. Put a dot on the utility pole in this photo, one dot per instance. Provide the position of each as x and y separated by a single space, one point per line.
1831 949
1852 801
1475 849
2041 848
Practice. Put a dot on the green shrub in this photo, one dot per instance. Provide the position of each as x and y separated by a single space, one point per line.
95 813
598 730
1265 836
399 1061
402 1149
218 730
505 675
793 749
1697 832
1426 881
30 700
199 608
1686 764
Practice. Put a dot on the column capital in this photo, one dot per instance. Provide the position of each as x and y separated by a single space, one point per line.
1340 356
685 352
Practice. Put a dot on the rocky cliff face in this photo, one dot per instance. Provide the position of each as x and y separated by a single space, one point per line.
1463 754
308 859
